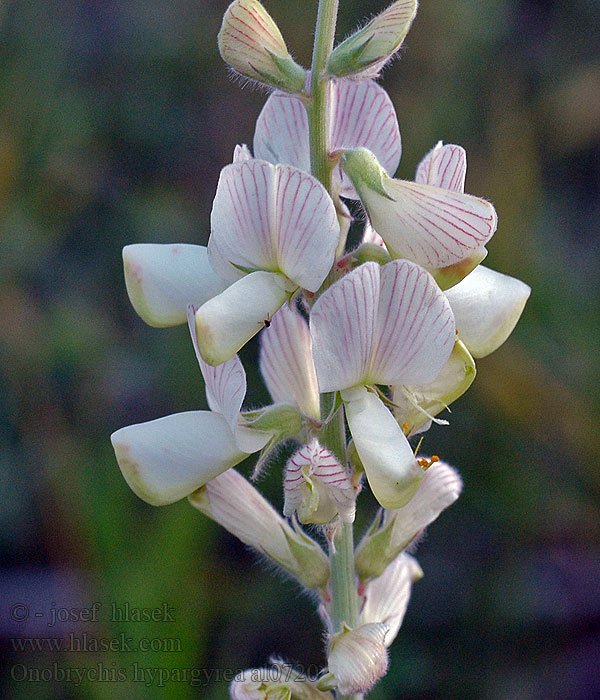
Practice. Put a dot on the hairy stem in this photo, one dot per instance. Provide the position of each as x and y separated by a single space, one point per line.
344 599
317 109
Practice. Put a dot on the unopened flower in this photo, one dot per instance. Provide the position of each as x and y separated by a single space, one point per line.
360 114
274 230
386 597
318 487
251 43
433 226
278 682
381 325
234 503
394 530
358 657
363 54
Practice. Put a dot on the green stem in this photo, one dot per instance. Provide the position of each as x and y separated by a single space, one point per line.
344 597
317 109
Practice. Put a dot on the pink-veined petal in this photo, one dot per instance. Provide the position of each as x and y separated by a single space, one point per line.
444 166
227 322
415 327
381 325
236 505
388 459
162 279
166 459
440 488
430 225
273 218
281 134
342 326
317 486
242 218
225 383
361 114
306 227
386 597
286 362
487 306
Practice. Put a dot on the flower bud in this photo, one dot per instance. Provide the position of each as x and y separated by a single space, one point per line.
363 55
358 658
393 531
318 487
234 503
251 43
279 682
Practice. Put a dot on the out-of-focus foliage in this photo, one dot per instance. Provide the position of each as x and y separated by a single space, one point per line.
115 119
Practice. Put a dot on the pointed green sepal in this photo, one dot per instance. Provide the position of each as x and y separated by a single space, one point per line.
313 565
365 171
363 54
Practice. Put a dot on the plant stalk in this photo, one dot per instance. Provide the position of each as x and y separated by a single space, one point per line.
344 598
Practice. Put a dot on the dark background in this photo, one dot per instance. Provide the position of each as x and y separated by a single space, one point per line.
115 119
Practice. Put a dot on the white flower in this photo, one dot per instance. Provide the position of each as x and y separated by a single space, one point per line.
433 226
358 657
166 459
360 114
274 230
381 325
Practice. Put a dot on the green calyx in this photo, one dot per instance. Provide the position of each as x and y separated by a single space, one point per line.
365 171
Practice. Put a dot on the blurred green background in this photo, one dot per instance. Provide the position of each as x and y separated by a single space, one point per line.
115 119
